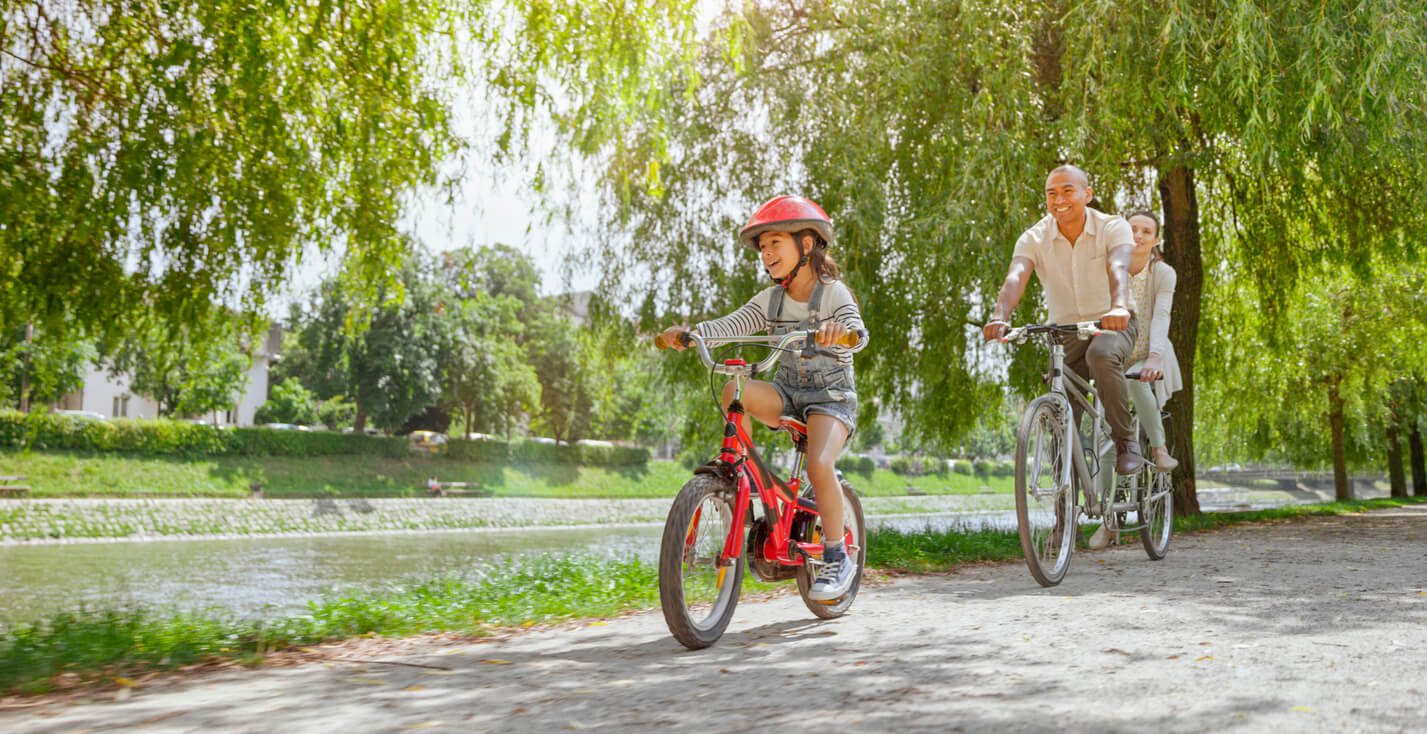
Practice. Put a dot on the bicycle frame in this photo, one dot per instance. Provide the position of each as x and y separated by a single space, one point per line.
1072 453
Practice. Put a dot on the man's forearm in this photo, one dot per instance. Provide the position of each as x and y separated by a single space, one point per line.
1117 267
1011 291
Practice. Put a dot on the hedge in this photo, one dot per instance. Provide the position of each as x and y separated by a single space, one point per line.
163 437
522 451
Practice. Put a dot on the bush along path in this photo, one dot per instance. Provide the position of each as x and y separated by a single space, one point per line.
122 646
61 520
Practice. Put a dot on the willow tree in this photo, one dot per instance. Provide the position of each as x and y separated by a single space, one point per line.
176 156
926 130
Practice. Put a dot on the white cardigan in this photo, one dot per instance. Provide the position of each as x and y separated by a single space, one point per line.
1160 293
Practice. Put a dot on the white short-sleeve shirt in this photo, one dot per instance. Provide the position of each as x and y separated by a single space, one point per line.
1075 281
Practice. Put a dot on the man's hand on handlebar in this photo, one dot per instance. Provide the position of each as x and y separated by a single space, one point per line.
1116 319
671 337
995 329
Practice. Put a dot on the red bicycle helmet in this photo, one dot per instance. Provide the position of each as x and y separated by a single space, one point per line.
786 214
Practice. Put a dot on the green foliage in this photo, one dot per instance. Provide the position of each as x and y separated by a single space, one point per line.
160 437
51 364
290 403
962 467
534 452
188 367
863 465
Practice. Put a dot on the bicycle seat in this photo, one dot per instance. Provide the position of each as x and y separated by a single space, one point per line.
795 428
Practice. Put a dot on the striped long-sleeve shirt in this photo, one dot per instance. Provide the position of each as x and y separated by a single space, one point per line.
752 318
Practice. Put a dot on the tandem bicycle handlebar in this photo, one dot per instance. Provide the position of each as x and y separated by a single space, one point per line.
779 344
1082 330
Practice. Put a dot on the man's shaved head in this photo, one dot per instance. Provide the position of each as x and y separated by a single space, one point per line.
1075 171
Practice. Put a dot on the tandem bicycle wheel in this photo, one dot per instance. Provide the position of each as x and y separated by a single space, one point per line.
696 590
1156 512
1045 501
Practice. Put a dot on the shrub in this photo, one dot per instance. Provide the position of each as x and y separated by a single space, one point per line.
524 451
981 468
857 465
901 465
962 467
1003 469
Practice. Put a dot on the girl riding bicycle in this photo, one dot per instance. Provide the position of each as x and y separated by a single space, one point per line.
791 235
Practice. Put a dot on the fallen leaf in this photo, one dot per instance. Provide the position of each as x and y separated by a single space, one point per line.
425 725
367 681
414 688
496 661
1303 709
125 682
599 624
859 662
1210 658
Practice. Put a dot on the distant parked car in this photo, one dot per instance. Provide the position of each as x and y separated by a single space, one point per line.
543 439
280 426
429 442
479 437
82 414
368 430
592 442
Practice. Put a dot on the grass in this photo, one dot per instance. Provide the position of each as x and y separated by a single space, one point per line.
108 645
115 645
70 474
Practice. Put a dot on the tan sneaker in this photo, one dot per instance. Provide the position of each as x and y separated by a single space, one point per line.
1100 539
1163 461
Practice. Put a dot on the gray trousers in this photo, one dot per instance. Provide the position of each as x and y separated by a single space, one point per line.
1104 359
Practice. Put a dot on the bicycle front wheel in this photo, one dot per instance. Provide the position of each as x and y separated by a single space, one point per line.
696 590
1045 503
856 527
1157 514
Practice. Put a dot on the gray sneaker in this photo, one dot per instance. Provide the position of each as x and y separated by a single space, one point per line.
835 578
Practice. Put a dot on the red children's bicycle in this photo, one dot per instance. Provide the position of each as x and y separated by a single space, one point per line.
702 555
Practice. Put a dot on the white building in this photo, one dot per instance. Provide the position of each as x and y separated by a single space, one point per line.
111 397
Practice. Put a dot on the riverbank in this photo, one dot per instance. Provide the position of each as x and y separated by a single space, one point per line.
106 520
121 646
60 474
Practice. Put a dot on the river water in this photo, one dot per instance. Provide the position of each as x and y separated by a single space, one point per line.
278 575
268 576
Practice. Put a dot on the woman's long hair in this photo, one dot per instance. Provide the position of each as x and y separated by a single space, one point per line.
821 262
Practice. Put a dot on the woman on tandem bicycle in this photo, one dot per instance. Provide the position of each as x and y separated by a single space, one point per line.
812 395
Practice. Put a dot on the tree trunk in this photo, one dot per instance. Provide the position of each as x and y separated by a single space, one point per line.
1181 237
1342 490
1394 459
470 408
359 421
1419 466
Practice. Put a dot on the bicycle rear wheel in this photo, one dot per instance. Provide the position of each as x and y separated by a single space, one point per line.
697 593
1045 505
1156 513
857 527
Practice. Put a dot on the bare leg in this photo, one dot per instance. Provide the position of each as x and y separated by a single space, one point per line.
760 400
826 435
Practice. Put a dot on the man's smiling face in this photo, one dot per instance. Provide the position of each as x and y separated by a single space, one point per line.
1066 194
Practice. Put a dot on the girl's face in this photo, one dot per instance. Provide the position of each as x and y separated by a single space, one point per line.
1145 231
779 252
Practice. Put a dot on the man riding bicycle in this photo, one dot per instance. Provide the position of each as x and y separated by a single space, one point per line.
1082 258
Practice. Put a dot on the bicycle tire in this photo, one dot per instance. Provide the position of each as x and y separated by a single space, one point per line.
1157 514
852 515
1045 509
698 595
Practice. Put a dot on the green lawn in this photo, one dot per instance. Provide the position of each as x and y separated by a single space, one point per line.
67 474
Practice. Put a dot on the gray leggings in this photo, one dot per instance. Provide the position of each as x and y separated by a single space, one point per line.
1147 410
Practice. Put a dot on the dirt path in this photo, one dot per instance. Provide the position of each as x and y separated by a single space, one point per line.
1309 626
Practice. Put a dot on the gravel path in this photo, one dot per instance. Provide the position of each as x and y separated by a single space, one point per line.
1317 625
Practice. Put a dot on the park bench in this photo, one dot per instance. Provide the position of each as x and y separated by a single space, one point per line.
9 489
455 489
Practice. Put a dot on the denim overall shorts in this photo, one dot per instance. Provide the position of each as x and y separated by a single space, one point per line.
811 380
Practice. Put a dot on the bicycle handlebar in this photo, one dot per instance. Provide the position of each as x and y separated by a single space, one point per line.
1083 329
779 344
